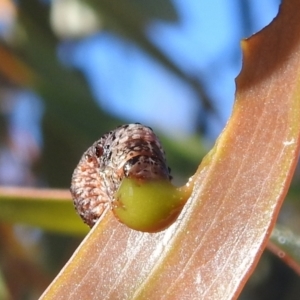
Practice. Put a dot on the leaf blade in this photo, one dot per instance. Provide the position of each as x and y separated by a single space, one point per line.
50 210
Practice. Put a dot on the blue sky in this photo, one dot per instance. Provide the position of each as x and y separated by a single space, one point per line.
206 43
128 83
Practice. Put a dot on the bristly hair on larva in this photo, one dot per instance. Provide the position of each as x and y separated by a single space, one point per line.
132 151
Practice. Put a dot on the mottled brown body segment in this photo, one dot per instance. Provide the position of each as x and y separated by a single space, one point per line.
131 150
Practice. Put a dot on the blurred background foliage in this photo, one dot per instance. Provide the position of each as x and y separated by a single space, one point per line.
70 70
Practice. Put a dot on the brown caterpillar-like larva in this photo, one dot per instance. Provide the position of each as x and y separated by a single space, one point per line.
131 150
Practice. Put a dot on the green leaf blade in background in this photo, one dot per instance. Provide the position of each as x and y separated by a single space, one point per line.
50 210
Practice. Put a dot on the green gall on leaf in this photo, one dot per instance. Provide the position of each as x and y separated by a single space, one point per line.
148 206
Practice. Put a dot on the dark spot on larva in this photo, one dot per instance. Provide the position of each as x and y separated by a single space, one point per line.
98 150
149 128
109 155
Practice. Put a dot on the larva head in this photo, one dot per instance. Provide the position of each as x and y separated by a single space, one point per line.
148 206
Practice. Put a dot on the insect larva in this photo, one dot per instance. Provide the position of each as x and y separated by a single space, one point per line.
129 151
